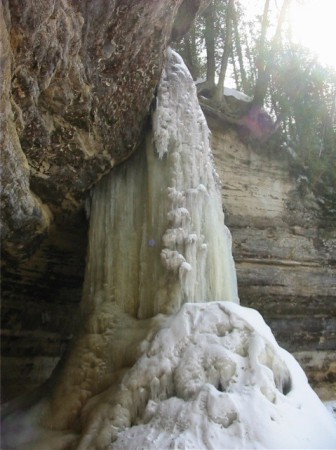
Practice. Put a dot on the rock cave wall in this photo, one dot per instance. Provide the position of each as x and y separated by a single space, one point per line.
39 307
76 84
285 260
77 81
69 114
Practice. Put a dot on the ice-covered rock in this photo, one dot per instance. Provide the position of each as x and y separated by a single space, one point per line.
157 232
213 377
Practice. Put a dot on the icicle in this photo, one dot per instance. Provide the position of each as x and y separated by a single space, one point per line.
206 375
157 233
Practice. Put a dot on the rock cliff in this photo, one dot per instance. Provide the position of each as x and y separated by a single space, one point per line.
285 259
77 81
76 84
285 251
76 87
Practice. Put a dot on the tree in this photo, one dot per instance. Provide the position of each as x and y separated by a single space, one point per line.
239 53
219 91
292 94
265 64
219 36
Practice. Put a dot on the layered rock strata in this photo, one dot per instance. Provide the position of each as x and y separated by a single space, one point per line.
284 255
285 252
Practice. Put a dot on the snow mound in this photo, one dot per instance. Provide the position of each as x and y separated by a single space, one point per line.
230 92
212 377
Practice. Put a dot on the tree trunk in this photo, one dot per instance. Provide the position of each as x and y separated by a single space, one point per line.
262 80
189 54
239 50
235 71
264 67
219 91
209 15
252 68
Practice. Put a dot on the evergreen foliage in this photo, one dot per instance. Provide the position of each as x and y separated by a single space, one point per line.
289 82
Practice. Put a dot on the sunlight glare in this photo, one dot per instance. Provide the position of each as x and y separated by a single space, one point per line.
314 26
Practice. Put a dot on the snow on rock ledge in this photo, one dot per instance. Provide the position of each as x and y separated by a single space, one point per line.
212 377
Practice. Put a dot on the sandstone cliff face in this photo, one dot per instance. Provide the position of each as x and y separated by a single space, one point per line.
40 299
76 84
285 253
285 259
78 78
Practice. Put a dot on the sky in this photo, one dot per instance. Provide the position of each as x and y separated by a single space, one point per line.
313 23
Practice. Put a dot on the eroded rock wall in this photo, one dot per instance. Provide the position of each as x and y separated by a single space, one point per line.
68 71
40 307
285 252
284 255
77 82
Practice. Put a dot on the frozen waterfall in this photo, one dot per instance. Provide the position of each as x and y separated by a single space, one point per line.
166 358
157 233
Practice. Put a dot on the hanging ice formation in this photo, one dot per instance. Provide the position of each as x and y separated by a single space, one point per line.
157 233
154 366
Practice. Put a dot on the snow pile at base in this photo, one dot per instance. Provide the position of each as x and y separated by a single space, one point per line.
214 378
209 377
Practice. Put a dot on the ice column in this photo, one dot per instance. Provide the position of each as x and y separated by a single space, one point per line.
157 233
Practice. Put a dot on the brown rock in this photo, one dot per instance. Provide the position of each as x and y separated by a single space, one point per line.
78 79
284 249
